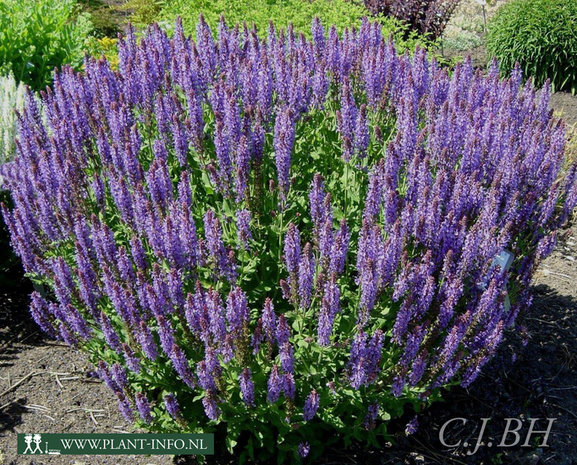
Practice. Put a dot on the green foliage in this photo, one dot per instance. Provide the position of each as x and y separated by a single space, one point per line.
462 41
300 13
38 35
466 28
541 35
143 12
106 20
104 47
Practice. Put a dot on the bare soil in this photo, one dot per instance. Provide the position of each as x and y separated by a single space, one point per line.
565 105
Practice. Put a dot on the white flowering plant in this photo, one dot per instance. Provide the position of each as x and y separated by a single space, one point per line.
12 96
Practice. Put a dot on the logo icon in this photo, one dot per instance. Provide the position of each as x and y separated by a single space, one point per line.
35 448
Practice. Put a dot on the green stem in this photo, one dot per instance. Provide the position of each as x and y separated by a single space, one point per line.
346 189
279 257
281 216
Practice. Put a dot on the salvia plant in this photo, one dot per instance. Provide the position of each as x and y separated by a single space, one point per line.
281 240
428 17
11 99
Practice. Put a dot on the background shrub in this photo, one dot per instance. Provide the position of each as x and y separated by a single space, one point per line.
427 17
103 47
541 35
299 13
12 96
144 12
286 242
38 35
105 19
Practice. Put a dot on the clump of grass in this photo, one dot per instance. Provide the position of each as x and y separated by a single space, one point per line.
540 35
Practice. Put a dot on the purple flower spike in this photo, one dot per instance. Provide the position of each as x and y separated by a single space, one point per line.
311 406
130 358
275 385
221 257
247 387
172 407
289 386
412 426
180 364
292 248
38 309
286 355
330 307
284 133
125 407
306 276
237 312
211 407
317 200
104 374
119 374
282 331
147 342
304 449
143 407
243 228
110 334
371 417
339 249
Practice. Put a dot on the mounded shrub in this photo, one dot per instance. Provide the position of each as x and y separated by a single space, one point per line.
284 241
38 35
540 35
106 22
427 17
